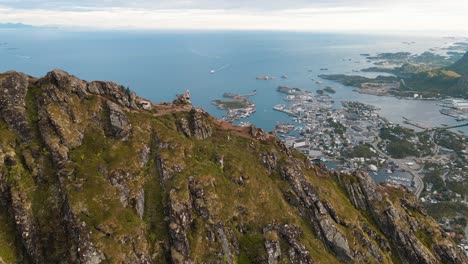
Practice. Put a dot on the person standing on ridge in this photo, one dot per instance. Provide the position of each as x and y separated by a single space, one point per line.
187 95
128 92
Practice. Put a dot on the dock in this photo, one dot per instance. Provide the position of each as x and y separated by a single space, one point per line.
416 124
451 127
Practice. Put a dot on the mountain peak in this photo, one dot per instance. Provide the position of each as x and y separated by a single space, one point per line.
461 66
90 174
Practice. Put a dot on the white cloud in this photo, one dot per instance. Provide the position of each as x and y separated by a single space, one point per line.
380 16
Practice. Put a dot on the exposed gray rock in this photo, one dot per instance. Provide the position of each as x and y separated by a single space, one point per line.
119 179
272 246
185 127
26 226
258 133
371 248
449 254
180 218
64 81
199 126
95 88
13 90
119 124
198 198
144 155
389 220
181 100
163 170
381 241
297 251
86 250
356 196
319 216
224 243
140 203
115 92
270 160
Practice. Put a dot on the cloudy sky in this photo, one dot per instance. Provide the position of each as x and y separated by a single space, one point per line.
301 15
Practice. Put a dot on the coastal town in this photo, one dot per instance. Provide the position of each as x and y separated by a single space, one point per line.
432 163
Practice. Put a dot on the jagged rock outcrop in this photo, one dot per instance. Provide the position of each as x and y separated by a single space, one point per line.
270 160
297 252
272 245
395 221
325 226
181 100
119 125
199 126
13 103
86 176
180 218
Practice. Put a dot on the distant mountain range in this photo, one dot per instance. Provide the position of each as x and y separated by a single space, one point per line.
14 25
423 79
461 66
449 81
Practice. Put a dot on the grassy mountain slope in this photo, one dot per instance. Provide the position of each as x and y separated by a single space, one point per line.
449 81
88 176
461 66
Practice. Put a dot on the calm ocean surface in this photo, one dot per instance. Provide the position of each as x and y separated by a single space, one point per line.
158 65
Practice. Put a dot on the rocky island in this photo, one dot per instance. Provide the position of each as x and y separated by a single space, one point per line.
288 90
265 78
89 176
237 106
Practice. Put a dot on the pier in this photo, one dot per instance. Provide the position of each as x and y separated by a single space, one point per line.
429 128
416 124
450 127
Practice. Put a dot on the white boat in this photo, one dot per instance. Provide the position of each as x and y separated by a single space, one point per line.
212 71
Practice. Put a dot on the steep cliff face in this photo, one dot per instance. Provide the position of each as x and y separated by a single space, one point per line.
88 176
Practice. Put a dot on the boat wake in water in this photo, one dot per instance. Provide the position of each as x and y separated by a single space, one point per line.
220 68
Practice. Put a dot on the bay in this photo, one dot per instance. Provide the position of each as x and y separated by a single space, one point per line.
158 65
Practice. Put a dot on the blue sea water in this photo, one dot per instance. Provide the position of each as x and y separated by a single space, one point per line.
158 65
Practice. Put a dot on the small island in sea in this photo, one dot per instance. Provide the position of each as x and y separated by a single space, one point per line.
265 78
329 89
238 106
288 90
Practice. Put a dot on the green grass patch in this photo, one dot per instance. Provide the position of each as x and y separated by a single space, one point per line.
251 248
8 243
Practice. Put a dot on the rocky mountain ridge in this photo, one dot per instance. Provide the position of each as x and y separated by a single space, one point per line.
90 176
461 66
